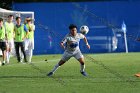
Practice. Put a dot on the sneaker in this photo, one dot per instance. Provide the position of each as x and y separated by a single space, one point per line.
50 74
84 73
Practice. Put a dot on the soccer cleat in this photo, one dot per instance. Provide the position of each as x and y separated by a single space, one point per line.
50 74
3 64
84 73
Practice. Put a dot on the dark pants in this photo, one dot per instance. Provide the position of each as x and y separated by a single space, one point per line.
3 46
17 46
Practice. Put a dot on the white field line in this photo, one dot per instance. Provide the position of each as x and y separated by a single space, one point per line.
53 60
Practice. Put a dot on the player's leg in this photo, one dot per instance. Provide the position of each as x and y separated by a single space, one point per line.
3 48
17 51
80 58
23 50
13 51
25 45
10 46
3 56
66 56
7 52
21 55
30 50
61 62
82 64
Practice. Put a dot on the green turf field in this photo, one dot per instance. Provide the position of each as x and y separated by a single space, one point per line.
108 73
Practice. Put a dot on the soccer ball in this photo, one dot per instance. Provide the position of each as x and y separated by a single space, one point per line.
84 29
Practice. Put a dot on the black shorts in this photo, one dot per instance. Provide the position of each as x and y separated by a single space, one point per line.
3 46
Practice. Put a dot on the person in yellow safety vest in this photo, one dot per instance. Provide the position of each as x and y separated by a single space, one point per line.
9 27
19 38
29 41
2 41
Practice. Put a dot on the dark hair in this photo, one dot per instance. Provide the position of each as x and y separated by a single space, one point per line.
17 18
10 16
72 26
1 19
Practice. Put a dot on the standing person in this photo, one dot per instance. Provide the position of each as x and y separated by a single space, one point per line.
2 41
9 27
29 41
72 49
19 38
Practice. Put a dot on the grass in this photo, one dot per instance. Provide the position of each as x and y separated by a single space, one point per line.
108 73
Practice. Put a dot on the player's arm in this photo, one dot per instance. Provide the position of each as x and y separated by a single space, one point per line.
14 33
26 30
85 40
6 36
62 44
31 27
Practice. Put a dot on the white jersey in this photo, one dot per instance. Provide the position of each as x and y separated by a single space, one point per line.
72 42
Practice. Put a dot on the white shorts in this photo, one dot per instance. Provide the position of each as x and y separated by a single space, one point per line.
67 55
29 44
10 44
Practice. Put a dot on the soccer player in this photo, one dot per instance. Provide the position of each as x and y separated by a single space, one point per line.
71 45
19 38
9 27
29 41
2 41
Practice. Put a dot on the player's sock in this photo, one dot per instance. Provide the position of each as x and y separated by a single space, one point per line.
55 68
29 60
7 56
30 55
3 63
22 57
82 67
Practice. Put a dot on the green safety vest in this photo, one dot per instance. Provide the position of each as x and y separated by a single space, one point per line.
9 30
30 31
2 33
19 33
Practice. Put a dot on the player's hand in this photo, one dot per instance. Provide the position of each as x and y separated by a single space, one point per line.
23 38
88 46
62 45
